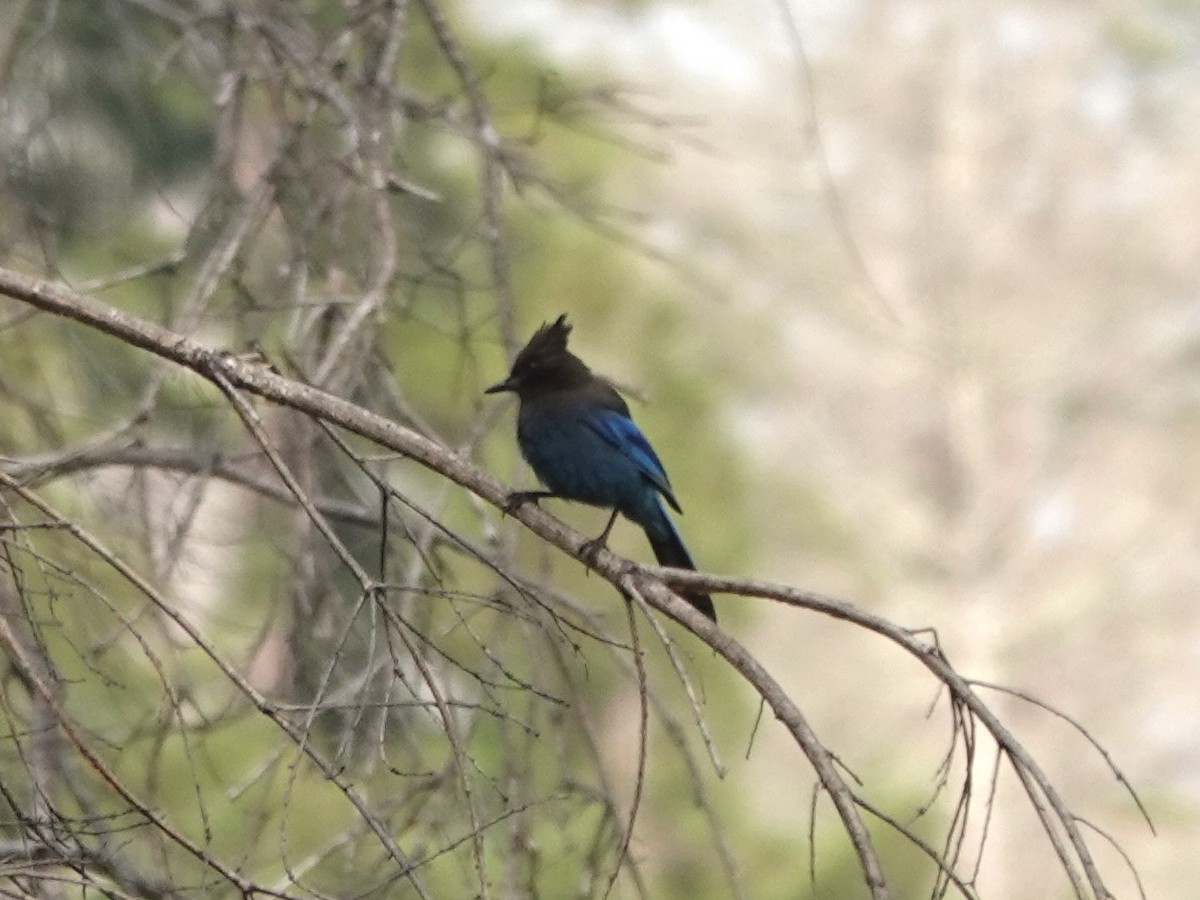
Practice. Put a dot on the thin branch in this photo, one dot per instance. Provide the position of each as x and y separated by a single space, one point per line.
665 600
492 167
1087 735
227 670
649 582
639 785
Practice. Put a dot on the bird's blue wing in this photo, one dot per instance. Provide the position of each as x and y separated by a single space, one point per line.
620 431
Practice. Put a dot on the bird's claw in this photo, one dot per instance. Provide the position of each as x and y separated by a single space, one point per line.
517 499
590 550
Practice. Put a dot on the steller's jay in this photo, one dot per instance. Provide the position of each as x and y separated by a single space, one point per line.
575 432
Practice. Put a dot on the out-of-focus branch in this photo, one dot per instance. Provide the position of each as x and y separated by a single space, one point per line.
492 167
29 669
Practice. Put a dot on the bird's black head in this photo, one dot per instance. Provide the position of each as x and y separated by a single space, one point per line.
545 363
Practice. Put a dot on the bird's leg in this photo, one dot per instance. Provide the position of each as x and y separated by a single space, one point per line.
520 498
590 548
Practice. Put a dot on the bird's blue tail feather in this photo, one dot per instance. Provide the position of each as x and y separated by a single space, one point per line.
670 550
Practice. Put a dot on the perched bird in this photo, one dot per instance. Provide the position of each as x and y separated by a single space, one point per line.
575 432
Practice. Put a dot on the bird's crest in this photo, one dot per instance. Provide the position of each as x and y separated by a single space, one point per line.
548 341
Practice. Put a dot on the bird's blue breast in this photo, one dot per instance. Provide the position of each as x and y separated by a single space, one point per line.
594 456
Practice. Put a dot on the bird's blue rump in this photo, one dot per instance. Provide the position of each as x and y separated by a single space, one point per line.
587 456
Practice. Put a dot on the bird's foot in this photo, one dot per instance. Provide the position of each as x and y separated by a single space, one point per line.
590 550
517 499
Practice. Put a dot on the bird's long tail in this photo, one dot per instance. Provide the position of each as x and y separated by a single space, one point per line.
669 550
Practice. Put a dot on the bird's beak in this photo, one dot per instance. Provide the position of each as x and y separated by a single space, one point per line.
500 387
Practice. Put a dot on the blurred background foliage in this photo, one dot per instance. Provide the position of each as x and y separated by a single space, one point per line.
933 349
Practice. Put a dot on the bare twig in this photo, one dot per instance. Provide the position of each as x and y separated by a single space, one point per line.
651 584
